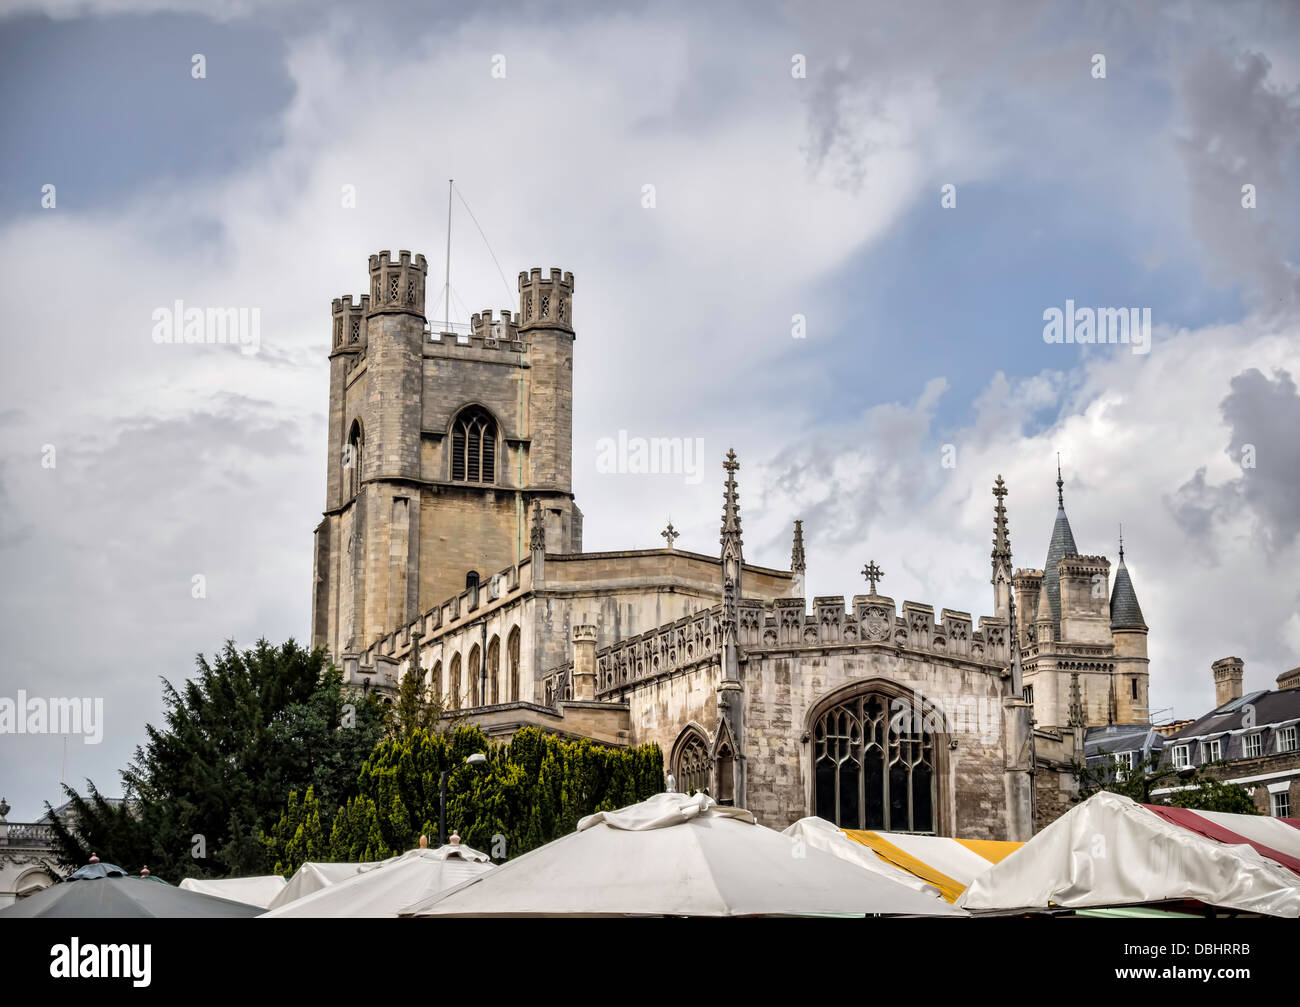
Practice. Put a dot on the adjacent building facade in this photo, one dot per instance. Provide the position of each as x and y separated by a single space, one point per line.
1251 739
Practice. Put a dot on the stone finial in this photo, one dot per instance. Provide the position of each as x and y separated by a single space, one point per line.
797 564
873 573
537 536
670 533
1001 535
1060 484
1076 716
730 501
424 842
4 808
94 858
144 872
454 840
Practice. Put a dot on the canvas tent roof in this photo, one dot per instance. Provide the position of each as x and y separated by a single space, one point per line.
257 891
392 885
674 855
938 865
313 876
1111 851
111 894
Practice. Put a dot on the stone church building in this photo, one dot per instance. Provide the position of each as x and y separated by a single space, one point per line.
451 543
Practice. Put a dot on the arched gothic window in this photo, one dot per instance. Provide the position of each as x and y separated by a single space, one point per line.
453 688
874 765
726 775
435 679
475 676
494 670
692 767
473 447
512 657
352 459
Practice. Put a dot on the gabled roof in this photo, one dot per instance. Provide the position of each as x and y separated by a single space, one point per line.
1111 739
1265 706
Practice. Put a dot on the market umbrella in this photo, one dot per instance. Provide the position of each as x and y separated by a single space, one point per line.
255 891
392 884
674 855
105 891
822 835
1112 851
312 877
942 865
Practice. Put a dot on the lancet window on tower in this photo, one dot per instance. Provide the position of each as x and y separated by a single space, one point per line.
352 459
474 447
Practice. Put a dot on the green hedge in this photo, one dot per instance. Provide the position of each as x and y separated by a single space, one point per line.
530 791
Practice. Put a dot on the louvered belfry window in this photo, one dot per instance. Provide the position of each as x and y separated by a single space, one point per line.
474 447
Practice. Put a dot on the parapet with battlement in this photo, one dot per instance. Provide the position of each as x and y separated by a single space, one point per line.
546 303
397 285
784 625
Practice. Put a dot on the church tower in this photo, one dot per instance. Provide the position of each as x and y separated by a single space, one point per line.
441 446
1129 630
1085 644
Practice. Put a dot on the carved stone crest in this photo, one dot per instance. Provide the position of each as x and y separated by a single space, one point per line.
875 625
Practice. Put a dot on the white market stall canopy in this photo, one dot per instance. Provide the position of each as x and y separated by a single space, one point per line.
1111 851
391 885
312 877
258 891
674 855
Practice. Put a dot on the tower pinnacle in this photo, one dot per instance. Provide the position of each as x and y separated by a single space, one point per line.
730 503
797 564
1001 535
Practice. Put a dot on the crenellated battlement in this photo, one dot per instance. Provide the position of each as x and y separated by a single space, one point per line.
350 322
397 286
451 615
546 303
784 625
1083 564
483 325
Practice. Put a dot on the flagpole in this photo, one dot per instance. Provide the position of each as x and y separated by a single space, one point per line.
446 311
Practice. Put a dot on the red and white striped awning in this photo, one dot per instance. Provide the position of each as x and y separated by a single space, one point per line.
1111 851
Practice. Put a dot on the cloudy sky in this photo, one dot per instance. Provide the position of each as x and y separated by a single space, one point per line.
776 194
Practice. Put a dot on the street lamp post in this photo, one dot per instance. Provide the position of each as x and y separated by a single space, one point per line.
477 759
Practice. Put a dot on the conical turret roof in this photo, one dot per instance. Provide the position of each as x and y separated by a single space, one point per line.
1062 544
1125 612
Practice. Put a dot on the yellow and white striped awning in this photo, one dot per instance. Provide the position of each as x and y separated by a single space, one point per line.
948 864
941 866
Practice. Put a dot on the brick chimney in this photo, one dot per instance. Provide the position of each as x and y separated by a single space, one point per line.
1228 672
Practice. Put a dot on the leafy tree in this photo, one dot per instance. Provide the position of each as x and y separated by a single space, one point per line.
419 706
527 792
1198 790
249 728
